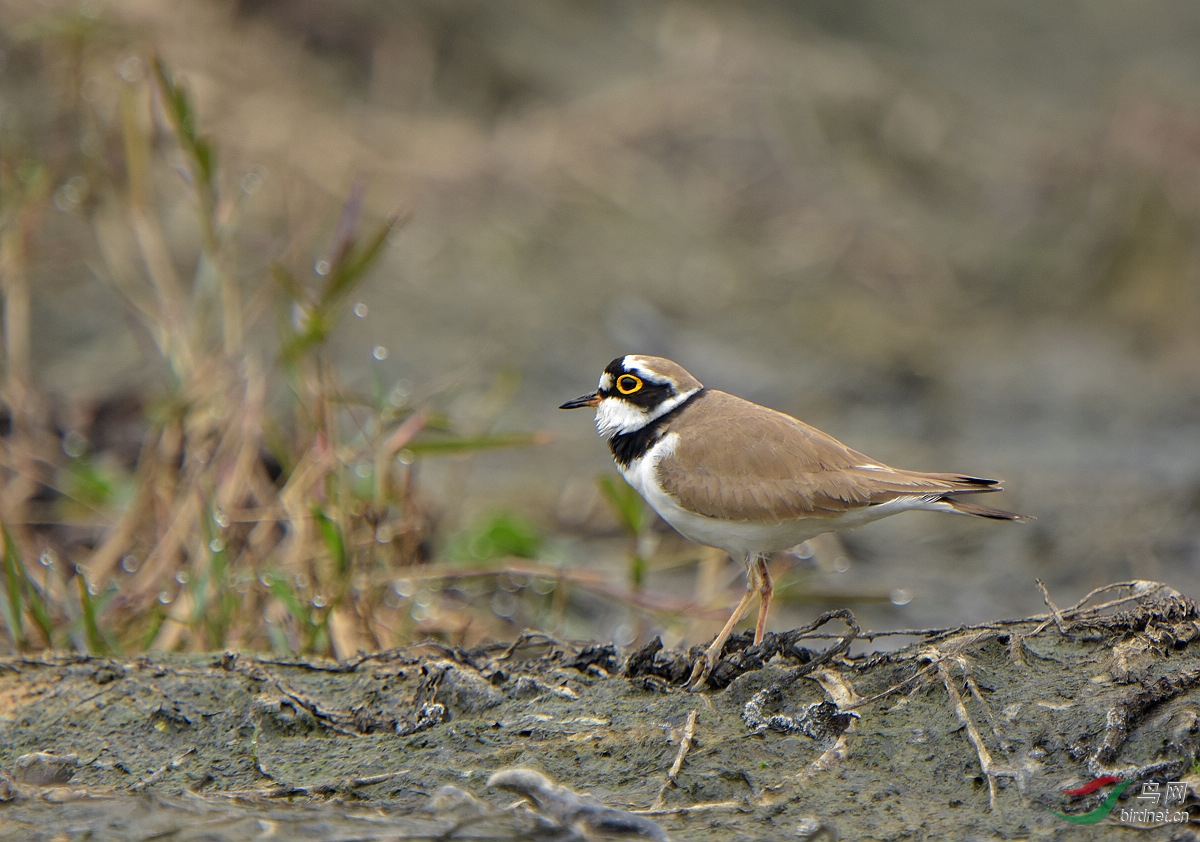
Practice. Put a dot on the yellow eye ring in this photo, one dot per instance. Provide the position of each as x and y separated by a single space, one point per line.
627 384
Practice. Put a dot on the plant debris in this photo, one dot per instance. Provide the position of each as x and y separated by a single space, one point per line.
994 728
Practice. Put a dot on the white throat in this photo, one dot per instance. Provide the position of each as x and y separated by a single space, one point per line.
616 417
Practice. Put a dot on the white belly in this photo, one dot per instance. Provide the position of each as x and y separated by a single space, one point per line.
740 537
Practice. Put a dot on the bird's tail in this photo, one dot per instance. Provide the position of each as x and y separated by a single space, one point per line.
969 507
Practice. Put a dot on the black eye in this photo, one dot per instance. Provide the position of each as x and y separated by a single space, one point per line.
627 384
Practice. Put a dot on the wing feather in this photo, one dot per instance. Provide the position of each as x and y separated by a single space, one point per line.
770 467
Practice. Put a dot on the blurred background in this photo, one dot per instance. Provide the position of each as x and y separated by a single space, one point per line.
955 237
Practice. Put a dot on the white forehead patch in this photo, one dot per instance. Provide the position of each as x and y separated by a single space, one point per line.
606 381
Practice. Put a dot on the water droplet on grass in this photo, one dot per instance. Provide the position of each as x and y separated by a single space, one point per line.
504 604
251 181
74 444
131 69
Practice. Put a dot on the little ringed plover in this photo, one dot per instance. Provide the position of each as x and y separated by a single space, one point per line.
749 480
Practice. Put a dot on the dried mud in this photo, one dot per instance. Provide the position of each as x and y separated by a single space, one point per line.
968 733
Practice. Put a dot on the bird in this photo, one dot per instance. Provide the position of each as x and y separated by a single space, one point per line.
732 474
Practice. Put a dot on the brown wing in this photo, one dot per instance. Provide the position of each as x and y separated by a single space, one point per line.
769 467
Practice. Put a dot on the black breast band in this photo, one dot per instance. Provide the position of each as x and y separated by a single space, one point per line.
629 447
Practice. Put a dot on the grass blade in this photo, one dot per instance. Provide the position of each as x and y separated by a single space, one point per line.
12 591
470 444
335 541
37 607
96 643
626 504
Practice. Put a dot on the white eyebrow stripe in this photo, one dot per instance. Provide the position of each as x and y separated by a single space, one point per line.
638 366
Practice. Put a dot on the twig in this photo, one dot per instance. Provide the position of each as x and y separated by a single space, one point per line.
154 777
685 743
692 808
895 688
840 648
340 722
1133 708
1140 587
321 789
973 686
1058 620
371 780
529 637
991 770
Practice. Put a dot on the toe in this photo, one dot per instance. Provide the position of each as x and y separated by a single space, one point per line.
700 673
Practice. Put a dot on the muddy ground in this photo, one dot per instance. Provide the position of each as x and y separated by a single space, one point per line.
968 733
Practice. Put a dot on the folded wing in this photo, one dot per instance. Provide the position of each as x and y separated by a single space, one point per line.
769 467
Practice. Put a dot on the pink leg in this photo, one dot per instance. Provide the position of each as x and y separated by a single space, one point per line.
754 571
765 590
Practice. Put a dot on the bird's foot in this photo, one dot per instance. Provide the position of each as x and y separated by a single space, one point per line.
700 672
